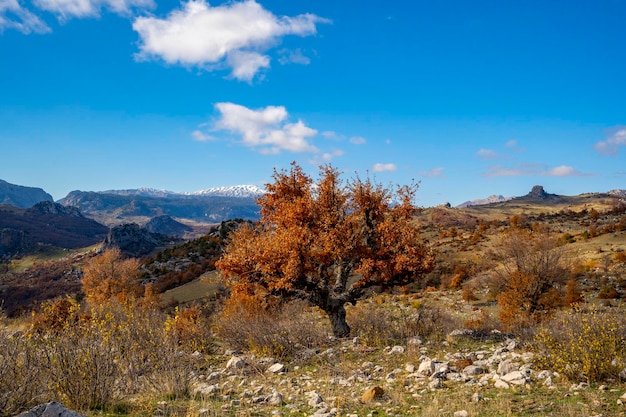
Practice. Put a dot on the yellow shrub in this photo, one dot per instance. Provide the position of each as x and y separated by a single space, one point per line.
583 345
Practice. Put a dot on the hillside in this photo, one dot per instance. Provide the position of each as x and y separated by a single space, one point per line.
46 223
20 196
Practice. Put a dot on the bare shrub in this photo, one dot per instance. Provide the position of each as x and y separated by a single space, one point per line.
381 324
531 274
82 360
20 384
247 323
587 345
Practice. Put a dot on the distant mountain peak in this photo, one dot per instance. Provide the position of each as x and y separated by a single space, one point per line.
243 191
483 201
237 191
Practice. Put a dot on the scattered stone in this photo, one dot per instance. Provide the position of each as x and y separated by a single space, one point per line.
275 398
235 362
277 368
473 370
506 367
435 384
315 399
461 413
426 368
206 389
477 397
52 409
501 384
409 368
372 394
514 378
396 350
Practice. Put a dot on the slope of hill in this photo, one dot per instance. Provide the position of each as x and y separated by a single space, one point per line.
20 196
46 223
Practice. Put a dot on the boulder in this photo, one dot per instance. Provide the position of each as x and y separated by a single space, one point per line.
52 409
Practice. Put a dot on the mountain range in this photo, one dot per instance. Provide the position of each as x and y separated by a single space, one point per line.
29 217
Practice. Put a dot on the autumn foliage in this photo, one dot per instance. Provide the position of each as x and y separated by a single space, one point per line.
108 276
326 242
533 273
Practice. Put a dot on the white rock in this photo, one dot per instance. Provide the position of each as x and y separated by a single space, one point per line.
314 399
235 362
276 398
426 368
277 368
396 350
501 384
515 378
461 413
473 370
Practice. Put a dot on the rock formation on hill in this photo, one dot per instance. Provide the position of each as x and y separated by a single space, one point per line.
133 240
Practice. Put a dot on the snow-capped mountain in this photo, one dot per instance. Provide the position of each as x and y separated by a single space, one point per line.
243 191
237 191
483 201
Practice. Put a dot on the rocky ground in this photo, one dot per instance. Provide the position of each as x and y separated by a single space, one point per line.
459 377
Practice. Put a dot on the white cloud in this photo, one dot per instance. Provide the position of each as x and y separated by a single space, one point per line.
266 130
384 167
245 64
211 37
486 154
357 140
201 136
326 157
293 57
610 146
433 173
534 170
14 16
563 171
66 9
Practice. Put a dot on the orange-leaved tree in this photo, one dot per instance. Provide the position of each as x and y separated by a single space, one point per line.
108 275
327 241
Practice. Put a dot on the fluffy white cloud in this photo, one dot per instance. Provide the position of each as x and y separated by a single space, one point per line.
67 9
384 167
14 16
266 130
610 146
234 34
245 65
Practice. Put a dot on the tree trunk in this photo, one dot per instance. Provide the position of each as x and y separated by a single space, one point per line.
337 315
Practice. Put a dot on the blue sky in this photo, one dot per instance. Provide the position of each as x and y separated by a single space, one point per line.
469 98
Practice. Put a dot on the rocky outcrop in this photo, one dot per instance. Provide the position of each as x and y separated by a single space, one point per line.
537 193
50 207
20 196
133 240
165 225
